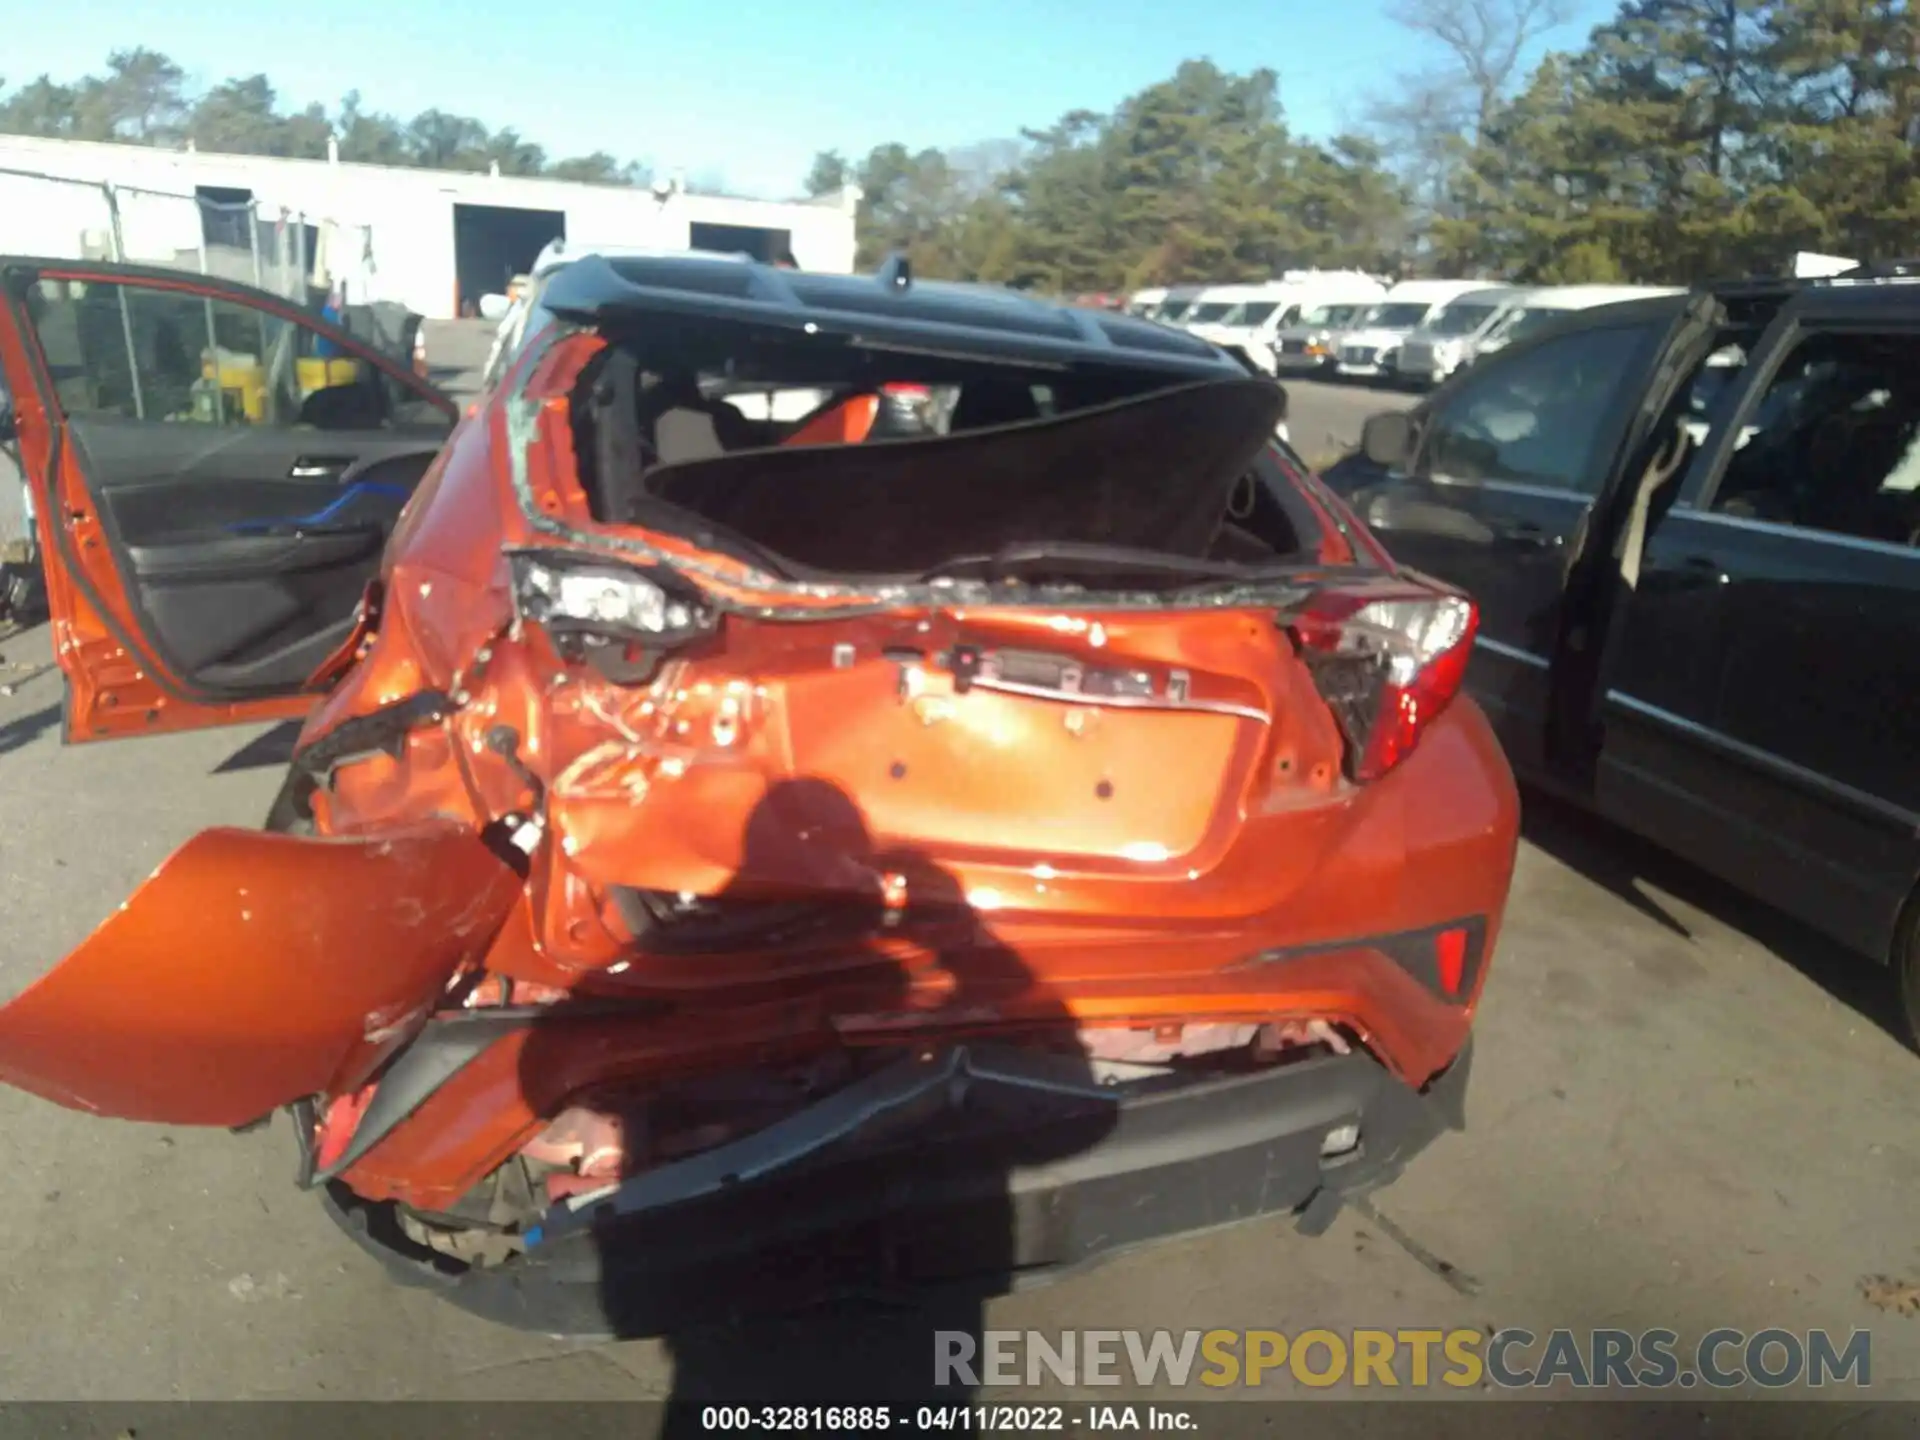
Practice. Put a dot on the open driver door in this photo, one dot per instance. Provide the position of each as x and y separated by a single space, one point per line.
214 472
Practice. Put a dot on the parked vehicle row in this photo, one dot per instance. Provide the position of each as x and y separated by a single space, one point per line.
1343 325
1372 349
1690 522
1249 318
1425 331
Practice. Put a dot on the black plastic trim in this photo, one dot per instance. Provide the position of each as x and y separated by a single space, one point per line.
903 1221
1412 950
377 732
438 1054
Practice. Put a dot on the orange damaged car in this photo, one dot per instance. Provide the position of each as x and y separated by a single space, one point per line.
734 860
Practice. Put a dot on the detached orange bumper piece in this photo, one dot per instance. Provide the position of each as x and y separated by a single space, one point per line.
254 969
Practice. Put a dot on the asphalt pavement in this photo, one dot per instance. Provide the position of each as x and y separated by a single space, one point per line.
1685 1113
1324 417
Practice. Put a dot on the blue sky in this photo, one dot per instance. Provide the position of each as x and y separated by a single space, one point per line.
749 91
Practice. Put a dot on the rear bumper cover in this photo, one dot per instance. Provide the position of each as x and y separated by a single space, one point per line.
1014 1174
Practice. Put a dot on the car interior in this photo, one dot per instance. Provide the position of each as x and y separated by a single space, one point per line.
1836 443
247 470
1002 456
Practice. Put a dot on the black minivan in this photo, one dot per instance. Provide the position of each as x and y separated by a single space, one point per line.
1691 525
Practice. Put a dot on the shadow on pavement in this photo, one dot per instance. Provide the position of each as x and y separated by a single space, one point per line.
1622 864
22 730
825 1279
263 751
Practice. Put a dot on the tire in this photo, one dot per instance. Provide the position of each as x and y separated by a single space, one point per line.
287 816
1906 973
23 598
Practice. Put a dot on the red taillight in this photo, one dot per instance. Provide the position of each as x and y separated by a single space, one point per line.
1446 960
1450 960
1386 660
336 1127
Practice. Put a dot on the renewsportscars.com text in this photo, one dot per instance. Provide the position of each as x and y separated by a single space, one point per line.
1461 1359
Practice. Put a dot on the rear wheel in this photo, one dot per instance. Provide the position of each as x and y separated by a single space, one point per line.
1906 973
23 598
289 814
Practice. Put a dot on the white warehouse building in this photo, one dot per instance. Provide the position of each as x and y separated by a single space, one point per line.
432 240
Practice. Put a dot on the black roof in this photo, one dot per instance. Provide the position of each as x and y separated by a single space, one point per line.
1753 303
1850 296
886 309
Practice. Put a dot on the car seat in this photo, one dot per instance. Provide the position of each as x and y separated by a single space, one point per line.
990 402
684 424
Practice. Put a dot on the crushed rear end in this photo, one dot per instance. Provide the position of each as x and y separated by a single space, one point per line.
918 861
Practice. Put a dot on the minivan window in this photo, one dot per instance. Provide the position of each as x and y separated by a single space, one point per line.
1173 310
1211 313
1835 442
1255 312
1331 315
1403 316
1713 379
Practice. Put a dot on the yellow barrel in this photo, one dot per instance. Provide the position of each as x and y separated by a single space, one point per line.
239 378
321 374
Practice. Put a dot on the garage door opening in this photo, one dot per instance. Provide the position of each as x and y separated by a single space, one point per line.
226 216
494 243
770 246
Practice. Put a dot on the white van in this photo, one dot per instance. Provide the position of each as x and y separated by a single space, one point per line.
1370 348
1311 344
1180 299
1447 340
1540 308
1257 325
1145 302
1217 308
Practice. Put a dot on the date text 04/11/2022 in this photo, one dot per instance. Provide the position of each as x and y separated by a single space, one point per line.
938 1419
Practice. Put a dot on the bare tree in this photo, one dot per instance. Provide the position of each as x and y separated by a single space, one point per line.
1422 124
978 168
1486 38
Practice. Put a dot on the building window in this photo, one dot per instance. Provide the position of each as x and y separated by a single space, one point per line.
226 216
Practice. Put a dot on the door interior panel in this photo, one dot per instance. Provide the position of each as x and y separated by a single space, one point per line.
241 634
246 549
